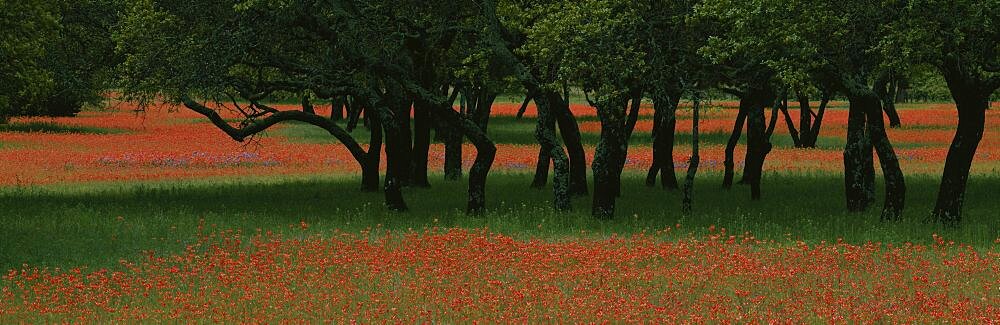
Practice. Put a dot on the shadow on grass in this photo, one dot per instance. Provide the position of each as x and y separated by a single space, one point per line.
96 225
49 127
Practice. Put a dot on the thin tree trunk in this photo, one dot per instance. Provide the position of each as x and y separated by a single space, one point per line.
818 123
654 168
687 202
734 139
791 125
524 105
452 153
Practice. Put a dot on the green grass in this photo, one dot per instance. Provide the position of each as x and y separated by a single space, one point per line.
79 225
47 127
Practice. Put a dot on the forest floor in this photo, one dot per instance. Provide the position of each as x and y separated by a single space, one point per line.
121 215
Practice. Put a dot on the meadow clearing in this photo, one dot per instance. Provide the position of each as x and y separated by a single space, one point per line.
120 215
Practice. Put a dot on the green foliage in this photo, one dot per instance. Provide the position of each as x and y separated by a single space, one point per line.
60 54
26 26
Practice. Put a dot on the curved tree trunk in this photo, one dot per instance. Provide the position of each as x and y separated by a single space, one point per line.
664 129
758 139
546 135
895 185
570 132
734 139
971 103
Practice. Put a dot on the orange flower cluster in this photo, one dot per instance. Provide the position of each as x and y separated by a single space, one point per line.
170 144
460 275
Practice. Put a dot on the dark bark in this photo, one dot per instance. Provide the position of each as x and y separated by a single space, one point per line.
895 185
818 123
307 106
452 153
354 110
858 164
337 108
421 144
734 139
654 167
971 101
396 163
885 90
370 168
791 125
687 202
806 139
546 136
569 129
524 106
664 127
608 155
402 112
758 140
630 122
541 169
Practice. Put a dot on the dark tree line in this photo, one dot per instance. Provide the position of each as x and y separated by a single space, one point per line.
415 72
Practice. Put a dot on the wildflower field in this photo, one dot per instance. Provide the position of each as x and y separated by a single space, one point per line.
121 215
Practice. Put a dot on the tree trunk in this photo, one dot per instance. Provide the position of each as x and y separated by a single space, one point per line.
402 117
354 109
806 139
570 132
524 105
791 125
421 144
541 168
546 135
452 153
887 98
396 163
370 167
630 122
686 203
734 139
858 164
337 108
307 106
654 167
609 153
971 102
758 140
895 185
